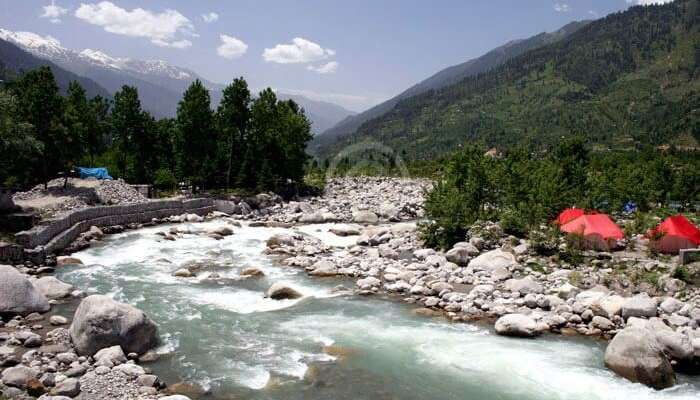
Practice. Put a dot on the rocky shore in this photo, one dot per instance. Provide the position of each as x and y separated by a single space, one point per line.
651 319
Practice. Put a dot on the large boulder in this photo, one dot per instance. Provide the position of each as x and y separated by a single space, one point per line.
523 286
640 305
518 325
635 354
459 255
365 217
493 259
282 291
17 294
101 322
323 268
18 376
52 288
608 306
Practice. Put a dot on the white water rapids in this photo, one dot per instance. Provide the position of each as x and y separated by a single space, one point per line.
233 341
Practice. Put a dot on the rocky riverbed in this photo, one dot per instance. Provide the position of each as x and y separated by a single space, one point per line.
652 324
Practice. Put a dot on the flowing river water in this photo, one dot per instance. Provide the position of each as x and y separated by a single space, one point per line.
237 344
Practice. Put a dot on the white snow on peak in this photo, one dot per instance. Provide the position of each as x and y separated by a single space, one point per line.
50 48
99 57
46 46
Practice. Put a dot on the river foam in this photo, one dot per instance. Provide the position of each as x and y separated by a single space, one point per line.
232 339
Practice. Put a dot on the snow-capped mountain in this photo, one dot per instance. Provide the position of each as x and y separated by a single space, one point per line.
42 46
159 83
50 48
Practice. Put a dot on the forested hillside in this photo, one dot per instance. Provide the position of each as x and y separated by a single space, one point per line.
628 79
447 77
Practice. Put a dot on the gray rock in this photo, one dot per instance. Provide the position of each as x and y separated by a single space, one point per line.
368 283
523 286
282 291
323 268
459 255
18 376
640 305
101 322
364 217
312 218
671 305
175 397
18 295
52 288
635 355
69 387
675 345
518 325
132 370
608 306
58 320
602 323
110 356
567 291
492 260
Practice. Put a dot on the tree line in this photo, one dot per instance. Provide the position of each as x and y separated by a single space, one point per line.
247 142
525 188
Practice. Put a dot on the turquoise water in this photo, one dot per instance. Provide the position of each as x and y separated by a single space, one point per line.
235 343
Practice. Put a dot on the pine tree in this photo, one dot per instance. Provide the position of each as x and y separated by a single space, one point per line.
41 106
196 145
127 125
233 119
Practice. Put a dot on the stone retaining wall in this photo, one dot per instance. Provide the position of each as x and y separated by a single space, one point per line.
58 233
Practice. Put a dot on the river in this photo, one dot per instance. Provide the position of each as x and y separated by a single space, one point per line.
237 344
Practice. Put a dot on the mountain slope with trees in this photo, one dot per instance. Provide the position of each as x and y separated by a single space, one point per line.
160 84
626 80
446 77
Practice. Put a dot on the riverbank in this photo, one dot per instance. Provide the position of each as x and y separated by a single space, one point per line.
489 277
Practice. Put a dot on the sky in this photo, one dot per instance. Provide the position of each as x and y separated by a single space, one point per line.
353 53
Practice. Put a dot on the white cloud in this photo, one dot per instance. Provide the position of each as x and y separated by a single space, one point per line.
210 17
561 7
648 2
162 29
54 12
327 68
299 51
593 13
231 47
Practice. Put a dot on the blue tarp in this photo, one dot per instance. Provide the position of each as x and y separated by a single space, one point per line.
99 173
630 207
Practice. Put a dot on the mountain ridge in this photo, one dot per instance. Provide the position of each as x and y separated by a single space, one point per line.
447 76
627 80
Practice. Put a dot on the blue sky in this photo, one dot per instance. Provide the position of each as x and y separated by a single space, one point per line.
354 53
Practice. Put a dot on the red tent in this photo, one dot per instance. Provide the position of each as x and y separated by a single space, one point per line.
598 230
675 233
569 214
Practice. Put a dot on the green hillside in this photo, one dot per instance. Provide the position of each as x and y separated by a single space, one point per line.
629 79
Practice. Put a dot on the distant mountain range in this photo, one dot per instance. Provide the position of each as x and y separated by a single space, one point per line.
626 80
160 84
446 77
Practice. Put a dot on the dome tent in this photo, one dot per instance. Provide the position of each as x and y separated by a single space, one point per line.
568 215
598 230
673 234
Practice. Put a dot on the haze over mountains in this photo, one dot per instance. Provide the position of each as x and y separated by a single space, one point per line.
160 84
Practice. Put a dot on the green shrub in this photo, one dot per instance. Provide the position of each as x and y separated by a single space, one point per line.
572 253
681 272
545 241
164 179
